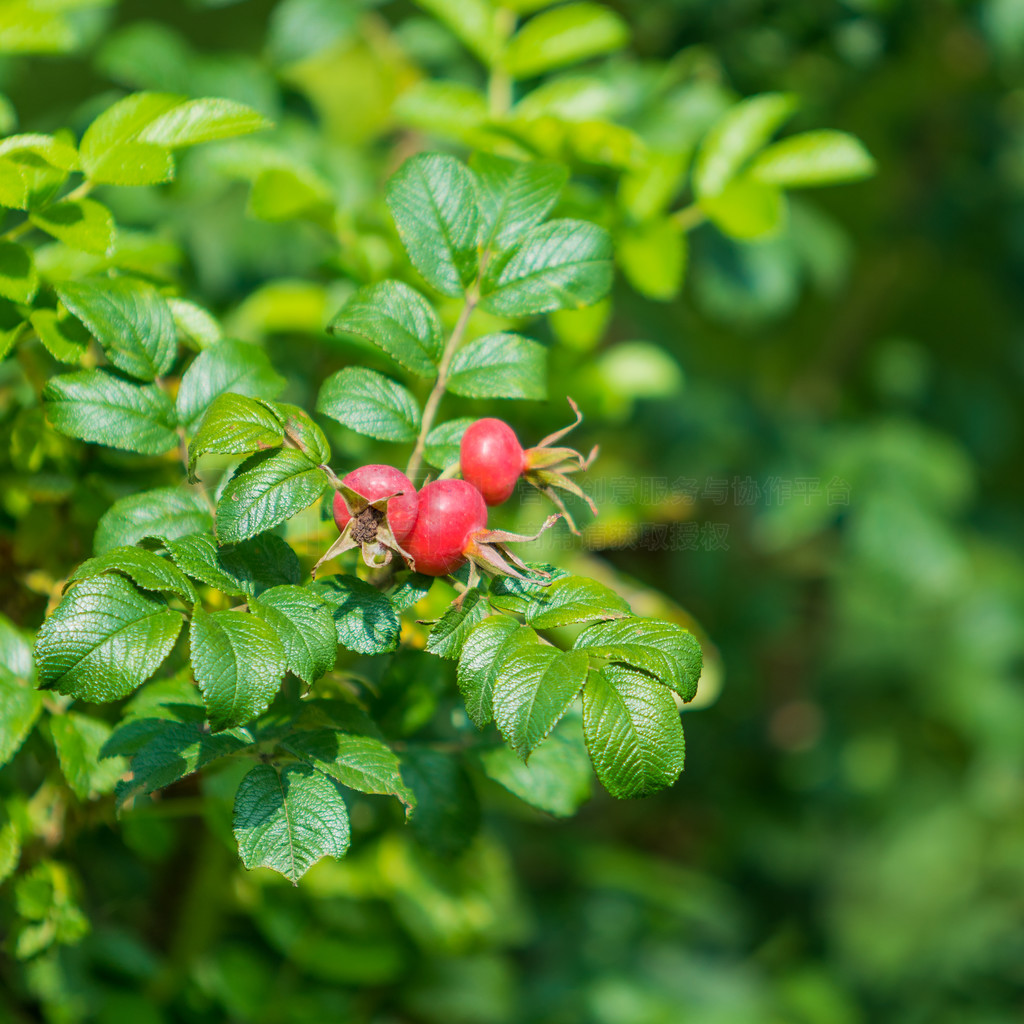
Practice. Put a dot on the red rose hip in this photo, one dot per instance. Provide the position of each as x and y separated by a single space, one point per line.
449 511
491 459
374 482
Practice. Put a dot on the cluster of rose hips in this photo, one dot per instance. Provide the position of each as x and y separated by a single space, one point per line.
437 529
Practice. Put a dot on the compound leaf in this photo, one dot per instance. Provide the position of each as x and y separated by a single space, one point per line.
104 639
662 649
432 198
563 264
305 626
364 763
363 616
514 196
288 818
398 320
813 158
500 366
238 662
481 658
633 732
19 708
164 513
78 740
227 366
267 489
735 137
564 36
534 685
129 318
100 407
370 404
148 570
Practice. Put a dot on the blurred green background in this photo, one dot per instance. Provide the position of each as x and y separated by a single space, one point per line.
816 450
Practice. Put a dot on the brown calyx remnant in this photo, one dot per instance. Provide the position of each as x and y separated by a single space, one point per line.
366 524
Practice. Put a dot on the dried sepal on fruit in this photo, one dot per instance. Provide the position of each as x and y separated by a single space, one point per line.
375 508
492 460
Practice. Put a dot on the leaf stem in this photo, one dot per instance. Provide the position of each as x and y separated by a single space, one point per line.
26 225
689 217
437 392
183 454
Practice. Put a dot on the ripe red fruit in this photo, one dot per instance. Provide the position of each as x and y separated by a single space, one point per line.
374 482
449 512
491 459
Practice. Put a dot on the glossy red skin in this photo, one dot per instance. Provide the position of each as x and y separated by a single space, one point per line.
491 459
450 510
374 482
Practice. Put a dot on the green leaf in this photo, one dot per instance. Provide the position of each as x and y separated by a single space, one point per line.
398 320
481 657
110 148
19 708
450 632
563 264
472 21
573 599
167 748
413 588
80 223
432 198
514 196
238 662
633 732
370 404
447 813
202 120
10 849
247 568
235 425
813 158
363 616
78 740
66 340
164 513
666 651
288 818
267 489
196 323
653 258
557 779
363 763
198 555
305 626
260 563
130 142
443 442
500 366
302 431
19 280
147 569
97 406
518 596
564 36
104 639
735 137
129 318
229 366
533 687
450 109
746 209
15 651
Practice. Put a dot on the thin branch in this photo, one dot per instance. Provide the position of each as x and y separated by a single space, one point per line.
689 217
434 400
